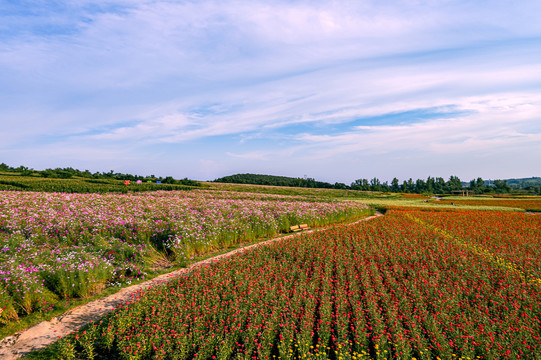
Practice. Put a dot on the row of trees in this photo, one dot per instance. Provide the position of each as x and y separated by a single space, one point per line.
69 173
432 185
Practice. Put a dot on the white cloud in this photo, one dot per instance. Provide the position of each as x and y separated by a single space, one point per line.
349 94
160 128
495 127
256 155
161 73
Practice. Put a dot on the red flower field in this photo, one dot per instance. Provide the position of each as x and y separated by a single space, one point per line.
412 284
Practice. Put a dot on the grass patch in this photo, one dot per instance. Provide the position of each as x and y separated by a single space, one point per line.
384 204
316 194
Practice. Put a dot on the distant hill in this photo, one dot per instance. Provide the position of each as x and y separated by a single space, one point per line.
520 183
258 179
524 182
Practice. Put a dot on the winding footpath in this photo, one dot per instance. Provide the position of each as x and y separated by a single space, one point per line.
47 332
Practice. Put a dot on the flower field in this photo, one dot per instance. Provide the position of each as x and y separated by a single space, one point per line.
411 285
489 236
56 246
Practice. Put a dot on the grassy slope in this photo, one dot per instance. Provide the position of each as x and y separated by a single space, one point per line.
317 194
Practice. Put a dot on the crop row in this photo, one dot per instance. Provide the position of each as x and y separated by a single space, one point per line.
63 246
491 235
389 288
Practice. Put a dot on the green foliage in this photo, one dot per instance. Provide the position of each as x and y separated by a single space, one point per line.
430 185
7 308
24 178
83 185
257 179
81 279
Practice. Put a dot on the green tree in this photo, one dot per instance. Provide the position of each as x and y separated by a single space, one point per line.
338 185
375 184
477 185
430 183
404 187
501 187
395 185
420 186
410 186
439 185
454 183
169 180
361 184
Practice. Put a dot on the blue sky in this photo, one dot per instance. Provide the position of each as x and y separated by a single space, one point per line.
334 90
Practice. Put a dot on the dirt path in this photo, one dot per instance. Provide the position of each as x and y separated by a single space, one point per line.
47 332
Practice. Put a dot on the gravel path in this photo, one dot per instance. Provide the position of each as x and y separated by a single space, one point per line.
47 332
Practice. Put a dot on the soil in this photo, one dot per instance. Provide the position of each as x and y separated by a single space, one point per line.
47 332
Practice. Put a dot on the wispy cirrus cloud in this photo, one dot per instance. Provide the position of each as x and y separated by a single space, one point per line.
492 126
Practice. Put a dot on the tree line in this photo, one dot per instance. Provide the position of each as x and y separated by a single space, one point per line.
432 185
70 173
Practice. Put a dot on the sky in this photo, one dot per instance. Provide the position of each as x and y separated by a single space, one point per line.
333 90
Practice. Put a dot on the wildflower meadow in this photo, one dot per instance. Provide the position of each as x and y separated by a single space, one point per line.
57 246
413 284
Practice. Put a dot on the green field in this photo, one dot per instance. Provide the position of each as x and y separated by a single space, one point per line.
10 181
